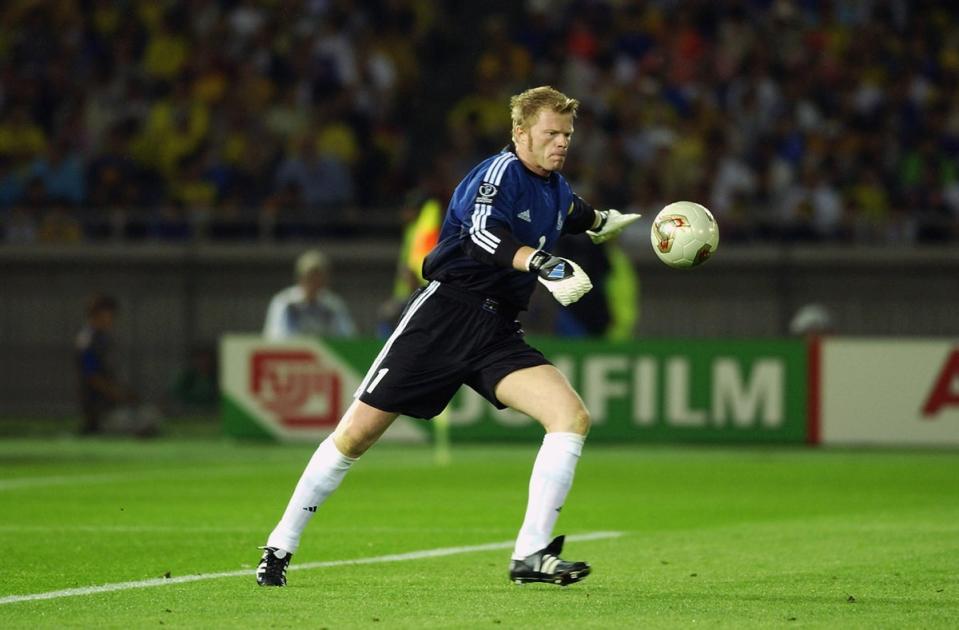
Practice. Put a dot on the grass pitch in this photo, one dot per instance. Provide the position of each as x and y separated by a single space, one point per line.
716 537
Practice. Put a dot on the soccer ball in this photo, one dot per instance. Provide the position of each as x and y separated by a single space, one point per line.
684 234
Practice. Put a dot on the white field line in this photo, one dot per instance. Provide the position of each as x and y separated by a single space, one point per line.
57 480
398 557
117 477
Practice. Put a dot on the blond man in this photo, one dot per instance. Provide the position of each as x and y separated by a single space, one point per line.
461 329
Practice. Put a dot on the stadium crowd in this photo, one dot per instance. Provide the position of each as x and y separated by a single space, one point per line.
793 120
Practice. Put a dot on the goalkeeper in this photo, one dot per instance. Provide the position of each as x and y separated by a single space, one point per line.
461 328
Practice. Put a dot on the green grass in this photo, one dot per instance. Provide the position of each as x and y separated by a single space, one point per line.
714 537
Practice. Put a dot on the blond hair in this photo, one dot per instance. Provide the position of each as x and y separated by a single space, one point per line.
525 106
310 260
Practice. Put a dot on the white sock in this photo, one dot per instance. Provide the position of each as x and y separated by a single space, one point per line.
548 486
322 476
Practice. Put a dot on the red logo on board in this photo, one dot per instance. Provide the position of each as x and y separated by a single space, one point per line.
297 387
945 391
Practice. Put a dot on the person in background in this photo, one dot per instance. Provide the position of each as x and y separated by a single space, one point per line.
611 309
100 390
812 320
422 218
308 308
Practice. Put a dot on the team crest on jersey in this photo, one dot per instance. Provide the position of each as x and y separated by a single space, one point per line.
486 193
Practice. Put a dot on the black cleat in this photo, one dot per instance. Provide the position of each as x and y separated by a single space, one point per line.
546 566
272 568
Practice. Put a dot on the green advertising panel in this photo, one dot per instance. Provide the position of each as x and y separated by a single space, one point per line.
662 390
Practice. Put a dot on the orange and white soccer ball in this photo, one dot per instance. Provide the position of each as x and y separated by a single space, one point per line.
684 234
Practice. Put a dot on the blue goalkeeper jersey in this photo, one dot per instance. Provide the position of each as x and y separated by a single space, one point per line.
498 206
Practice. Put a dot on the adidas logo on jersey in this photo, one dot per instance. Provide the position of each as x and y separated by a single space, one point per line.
524 215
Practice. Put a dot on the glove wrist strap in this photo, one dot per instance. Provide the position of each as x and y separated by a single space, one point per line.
537 259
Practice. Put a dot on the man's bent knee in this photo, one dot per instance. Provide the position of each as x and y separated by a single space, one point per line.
353 439
578 421
581 421
360 428
351 445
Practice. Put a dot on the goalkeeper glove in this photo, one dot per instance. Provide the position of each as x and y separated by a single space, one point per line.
563 278
611 223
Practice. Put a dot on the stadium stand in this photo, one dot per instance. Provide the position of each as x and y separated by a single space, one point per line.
795 121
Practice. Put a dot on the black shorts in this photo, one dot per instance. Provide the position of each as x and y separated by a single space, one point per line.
445 338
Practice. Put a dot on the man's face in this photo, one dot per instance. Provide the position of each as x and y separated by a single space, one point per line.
103 320
543 146
312 282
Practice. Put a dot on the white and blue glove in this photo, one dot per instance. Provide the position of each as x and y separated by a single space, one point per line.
611 223
563 278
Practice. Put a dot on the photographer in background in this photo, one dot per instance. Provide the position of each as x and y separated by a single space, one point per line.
308 308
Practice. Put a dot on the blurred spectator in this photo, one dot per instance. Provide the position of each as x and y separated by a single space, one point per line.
309 307
171 223
793 120
611 309
61 169
11 182
113 172
812 320
175 127
59 225
21 225
20 135
321 175
423 213
100 390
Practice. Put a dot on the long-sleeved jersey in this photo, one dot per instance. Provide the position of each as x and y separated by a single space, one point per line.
499 206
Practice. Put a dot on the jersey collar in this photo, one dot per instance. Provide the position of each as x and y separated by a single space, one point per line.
511 148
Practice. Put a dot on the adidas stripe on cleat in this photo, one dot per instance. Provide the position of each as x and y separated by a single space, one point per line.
546 566
272 568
